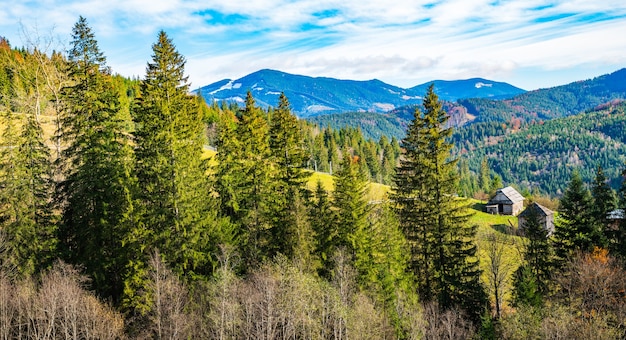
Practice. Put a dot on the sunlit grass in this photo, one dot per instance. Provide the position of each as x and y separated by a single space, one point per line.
376 191
503 228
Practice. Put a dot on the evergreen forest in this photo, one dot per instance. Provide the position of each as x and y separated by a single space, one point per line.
129 208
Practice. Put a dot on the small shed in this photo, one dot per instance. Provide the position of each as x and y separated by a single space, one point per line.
507 201
545 217
615 217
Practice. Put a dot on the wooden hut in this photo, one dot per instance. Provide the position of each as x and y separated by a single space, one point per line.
507 201
545 217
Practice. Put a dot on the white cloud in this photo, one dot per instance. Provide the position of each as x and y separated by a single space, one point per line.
404 43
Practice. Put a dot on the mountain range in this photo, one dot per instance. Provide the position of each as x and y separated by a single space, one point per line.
537 105
313 96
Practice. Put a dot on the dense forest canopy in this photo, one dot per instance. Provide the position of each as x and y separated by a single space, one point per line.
115 224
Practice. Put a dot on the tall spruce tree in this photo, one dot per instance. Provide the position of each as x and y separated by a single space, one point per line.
173 191
96 191
618 238
538 252
350 203
290 235
26 212
25 174
33 234
244 178
575 229
484 178
434 220
321 217
603 202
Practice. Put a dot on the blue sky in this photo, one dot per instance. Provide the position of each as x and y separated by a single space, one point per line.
530 44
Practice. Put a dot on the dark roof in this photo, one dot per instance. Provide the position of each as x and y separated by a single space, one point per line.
511 194
538 208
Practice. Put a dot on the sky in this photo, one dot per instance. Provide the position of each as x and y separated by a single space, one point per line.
530 44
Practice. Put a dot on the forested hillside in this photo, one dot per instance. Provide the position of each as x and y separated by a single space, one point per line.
542 155
114 225
555 102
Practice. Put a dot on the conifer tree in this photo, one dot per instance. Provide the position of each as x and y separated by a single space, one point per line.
484 178
538 252
244 179
350 203
575 229
34 231
26 169
290 235
177 217
433 220
321 217
603 202
618 238
95 193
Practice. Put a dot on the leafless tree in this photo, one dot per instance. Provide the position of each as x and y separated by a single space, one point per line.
167 318
50 75
499 270
594 284
447 324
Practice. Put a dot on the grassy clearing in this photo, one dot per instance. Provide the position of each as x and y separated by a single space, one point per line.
503 227
376 191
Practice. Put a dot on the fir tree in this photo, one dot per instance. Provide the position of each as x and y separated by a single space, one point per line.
618 238
177 214
34 237
576 229
603 202
434 221
321 217
290 235
484 178
95 194
244 179
525 288
538 252
350 203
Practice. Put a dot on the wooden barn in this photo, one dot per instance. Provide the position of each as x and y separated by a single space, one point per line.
545 217
507 201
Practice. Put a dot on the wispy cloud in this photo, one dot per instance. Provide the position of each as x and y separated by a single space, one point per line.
403 42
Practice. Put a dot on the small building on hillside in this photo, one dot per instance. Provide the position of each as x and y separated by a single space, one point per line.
615 217
545 217
507 201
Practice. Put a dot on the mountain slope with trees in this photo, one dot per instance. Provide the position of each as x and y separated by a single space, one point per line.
543 155
555 102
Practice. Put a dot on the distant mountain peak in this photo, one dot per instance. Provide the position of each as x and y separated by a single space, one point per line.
311 96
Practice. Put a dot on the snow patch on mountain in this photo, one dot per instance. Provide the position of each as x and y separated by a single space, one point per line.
235 99
226 86
385 106
318 108
481 84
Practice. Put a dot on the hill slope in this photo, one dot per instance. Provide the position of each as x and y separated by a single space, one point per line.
555 102
543 155
470 88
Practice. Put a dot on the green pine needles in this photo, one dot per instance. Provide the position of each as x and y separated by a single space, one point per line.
434 221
